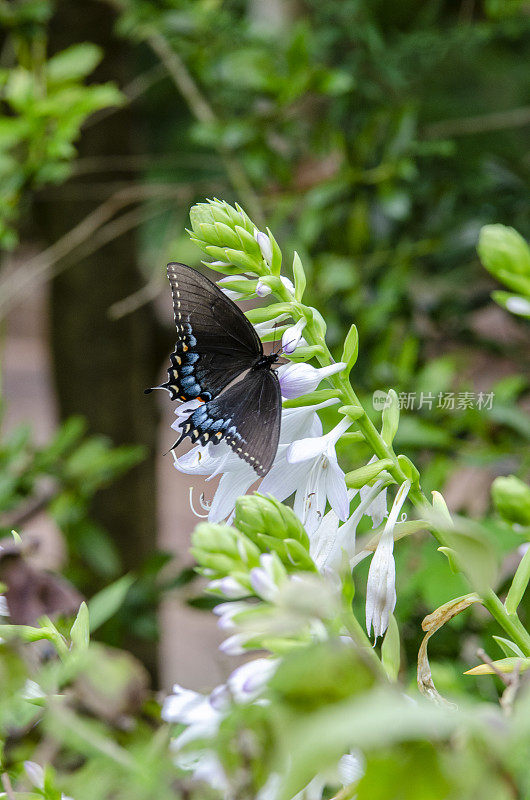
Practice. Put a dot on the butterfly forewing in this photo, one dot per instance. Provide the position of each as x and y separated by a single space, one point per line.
246 416
215 341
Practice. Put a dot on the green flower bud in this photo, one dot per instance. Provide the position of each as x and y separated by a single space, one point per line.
318 396
409 470
514 303
248 243
503 251
276 260
390 417
350 350
257 514
266 313
223 550
511 498
299 277
360 477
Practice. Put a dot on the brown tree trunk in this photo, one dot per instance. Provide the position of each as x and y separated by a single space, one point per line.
102 366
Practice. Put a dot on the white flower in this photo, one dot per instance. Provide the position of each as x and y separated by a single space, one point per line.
247 682
298 379
229 587
329 543
262 289
292 336
35 775
266 578
319 477
264 245
381 587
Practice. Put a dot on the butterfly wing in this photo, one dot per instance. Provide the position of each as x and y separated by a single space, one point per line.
246 416
215 341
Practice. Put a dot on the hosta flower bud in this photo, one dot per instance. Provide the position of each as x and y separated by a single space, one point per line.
512 499
264 245
298 379
292 336
262 289
258 515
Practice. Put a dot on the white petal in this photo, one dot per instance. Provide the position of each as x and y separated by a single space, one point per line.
232 485
306 449
283 479
289 285
247 681
336 490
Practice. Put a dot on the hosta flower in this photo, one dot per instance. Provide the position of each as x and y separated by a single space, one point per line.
381 587
299 379
331 542
202 715
292 336
318 476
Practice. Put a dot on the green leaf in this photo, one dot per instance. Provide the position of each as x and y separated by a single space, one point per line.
74 63
103 605
519 584
504 665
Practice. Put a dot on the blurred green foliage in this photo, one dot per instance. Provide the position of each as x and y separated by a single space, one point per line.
43 104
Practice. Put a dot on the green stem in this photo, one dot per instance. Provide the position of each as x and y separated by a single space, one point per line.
509 622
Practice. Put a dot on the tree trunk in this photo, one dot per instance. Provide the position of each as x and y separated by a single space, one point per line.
102 366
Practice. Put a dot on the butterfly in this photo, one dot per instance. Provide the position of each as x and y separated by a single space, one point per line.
219 361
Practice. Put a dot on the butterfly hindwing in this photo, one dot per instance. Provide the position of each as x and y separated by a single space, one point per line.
215 341
246 416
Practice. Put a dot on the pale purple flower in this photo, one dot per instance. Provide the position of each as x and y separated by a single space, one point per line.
247 682
292 336
262 288
267 578
381 586
299 379
229 587
270 325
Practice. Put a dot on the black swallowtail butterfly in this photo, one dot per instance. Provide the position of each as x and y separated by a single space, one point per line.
216 344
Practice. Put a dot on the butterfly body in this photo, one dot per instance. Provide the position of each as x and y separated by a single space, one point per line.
219 361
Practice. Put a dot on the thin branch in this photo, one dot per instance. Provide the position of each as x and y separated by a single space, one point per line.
137 299
39 268
132 91
496 121
491 664
203 111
